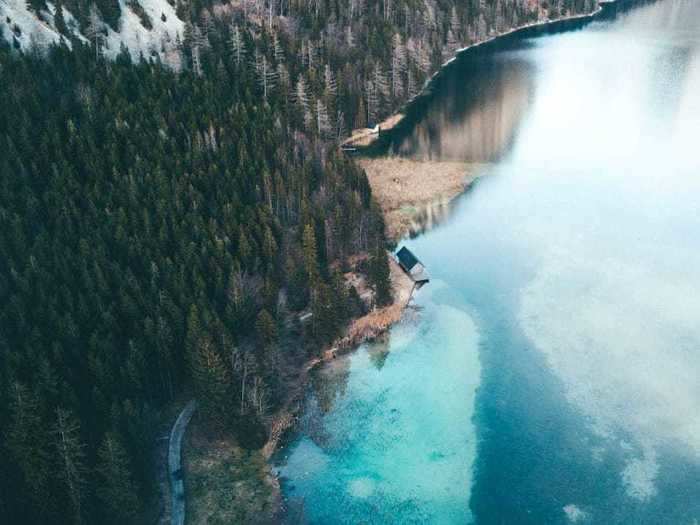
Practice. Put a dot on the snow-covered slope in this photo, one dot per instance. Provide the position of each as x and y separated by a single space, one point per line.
24 28
19 24
158 41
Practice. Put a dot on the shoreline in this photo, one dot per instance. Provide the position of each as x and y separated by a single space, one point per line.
402 212
363 140
540 24
360 330
208 459
443 191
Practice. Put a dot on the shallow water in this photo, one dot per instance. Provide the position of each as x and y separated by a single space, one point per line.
354 455
551 372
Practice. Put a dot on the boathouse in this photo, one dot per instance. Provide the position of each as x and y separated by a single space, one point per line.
410 264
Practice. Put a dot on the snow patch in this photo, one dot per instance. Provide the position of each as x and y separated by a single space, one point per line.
159 42
25 26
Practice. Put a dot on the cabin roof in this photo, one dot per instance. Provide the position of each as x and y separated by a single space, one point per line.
406 259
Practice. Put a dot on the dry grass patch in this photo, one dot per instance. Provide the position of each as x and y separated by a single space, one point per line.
226 484
405 187
379 320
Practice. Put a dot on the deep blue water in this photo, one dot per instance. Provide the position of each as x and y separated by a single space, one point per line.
550 372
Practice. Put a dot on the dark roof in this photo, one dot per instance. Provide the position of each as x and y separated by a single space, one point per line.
407 259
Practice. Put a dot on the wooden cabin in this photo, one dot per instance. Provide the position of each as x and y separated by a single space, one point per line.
410 264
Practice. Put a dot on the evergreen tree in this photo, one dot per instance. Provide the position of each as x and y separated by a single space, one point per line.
211 382
59 20
266 329
70 457
28 447
37 5
116 488
379 275
310 255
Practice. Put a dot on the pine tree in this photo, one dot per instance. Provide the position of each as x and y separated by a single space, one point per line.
379 275
59 20
211 384
27 444
36 5
194 330
312 54
116 488
119 295
70 456
361 114
341 299
349 37
266 329
245 365
310 254
267 350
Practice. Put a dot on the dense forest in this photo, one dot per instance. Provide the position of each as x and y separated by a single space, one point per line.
163 225
156 231
344 64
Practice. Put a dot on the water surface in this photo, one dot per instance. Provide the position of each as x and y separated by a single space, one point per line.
550 372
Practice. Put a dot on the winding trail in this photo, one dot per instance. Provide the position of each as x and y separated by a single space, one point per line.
177 486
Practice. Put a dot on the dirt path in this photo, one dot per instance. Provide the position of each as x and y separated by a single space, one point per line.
177 486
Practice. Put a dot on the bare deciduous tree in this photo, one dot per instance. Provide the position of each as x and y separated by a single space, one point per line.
237 45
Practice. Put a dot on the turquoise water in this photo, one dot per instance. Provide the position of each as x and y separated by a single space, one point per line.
383 439
551 371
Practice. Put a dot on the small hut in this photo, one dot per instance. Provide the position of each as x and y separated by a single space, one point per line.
410 264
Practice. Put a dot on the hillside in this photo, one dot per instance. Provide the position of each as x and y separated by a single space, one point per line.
341 65
158 231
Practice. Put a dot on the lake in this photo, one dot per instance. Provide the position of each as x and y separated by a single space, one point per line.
550 371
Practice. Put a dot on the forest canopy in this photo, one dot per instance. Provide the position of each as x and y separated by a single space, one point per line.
156 231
